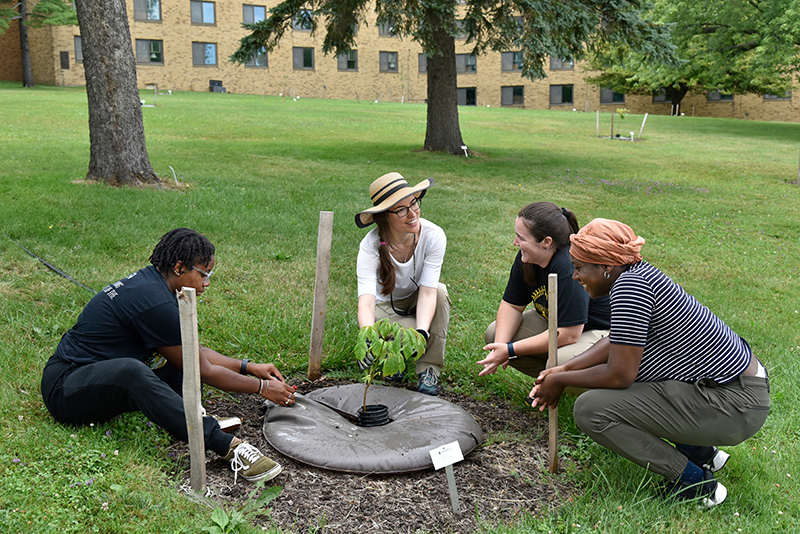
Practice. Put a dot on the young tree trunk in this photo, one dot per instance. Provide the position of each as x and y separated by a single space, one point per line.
116 130
676 96
443 133
25 47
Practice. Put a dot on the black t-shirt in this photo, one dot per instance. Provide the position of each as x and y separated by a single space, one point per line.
127 319
574 305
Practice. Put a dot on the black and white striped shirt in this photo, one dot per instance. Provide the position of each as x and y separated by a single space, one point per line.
682 339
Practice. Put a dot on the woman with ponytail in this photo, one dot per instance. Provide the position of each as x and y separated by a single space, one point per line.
519 337
399 263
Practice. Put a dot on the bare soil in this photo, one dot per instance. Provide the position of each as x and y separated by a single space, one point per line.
497 482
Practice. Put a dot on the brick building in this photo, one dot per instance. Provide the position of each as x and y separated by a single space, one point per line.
185 45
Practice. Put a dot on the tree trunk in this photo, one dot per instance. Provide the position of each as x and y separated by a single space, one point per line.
25 47
443 133
676 96
116 130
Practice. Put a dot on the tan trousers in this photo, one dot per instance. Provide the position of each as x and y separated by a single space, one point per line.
533 324
434 355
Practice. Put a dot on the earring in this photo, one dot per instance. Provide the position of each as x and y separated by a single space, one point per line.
176 272
606 275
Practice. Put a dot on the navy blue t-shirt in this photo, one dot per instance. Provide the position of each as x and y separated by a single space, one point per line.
574 305
127 319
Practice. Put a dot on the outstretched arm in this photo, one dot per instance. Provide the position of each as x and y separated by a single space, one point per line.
617 372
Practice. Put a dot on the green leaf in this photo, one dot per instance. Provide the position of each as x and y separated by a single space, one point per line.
220 518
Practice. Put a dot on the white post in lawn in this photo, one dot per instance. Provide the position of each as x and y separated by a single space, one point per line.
324 238
642 128
552 361
187 305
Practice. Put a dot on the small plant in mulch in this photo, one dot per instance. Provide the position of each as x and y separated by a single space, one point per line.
386 349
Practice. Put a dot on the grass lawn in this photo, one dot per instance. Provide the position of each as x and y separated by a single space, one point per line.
717 201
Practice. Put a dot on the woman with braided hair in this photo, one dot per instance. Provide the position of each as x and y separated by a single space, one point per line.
124 354
670 383
398 268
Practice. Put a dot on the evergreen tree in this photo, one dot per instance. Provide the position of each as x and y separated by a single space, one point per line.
44 13
537 28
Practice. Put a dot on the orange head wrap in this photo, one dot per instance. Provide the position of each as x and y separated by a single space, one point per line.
606 242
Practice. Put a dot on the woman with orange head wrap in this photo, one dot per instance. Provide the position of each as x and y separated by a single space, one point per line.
670 383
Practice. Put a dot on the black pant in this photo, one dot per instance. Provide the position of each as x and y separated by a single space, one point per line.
94 393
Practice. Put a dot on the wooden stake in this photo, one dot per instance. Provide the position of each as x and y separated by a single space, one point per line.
552 361
187 305
324 238
612 126
598 123
642 128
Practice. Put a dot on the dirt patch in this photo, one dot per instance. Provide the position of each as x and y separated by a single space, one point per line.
497 482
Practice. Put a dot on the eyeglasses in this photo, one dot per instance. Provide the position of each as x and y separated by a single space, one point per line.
207 274
402 212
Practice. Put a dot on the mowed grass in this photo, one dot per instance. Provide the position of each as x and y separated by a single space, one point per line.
716 200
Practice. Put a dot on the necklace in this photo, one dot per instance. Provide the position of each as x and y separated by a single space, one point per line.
409 254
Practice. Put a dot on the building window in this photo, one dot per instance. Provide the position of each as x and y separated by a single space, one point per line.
204 54
303 58
511 61
203 12
716 96
662 97
561 64
467 96
388 29
512 96
461 29
609 96
348 60
150 52
303 21
423 64
767 97
388 61
259 59
561 95
466 63
147 10
63 57
253 14
78 49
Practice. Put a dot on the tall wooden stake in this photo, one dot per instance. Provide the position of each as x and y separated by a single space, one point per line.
187 305
642 128
552 361
324 238
597 122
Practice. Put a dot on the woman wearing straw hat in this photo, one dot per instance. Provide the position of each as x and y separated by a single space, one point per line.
519 337
672 381
399 263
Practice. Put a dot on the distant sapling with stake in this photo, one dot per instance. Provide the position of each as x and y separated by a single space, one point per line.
386 348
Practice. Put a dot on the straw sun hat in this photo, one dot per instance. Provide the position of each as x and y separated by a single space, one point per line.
387 191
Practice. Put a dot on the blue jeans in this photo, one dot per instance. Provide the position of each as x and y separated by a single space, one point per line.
94 393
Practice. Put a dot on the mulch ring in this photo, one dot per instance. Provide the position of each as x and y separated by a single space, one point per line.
497 482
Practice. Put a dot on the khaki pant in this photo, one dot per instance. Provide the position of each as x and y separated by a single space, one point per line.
635 422
434 354
533 324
